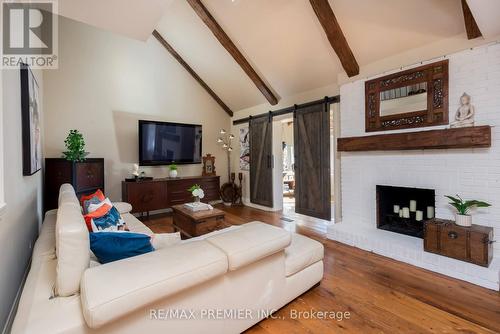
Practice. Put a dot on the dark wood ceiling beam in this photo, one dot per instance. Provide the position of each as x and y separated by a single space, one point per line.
470 23
335 35
188 68
228 44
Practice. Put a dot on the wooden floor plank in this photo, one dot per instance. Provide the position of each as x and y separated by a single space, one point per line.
381 294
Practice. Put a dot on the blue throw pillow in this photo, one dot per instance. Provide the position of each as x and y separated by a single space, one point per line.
113 246
109 222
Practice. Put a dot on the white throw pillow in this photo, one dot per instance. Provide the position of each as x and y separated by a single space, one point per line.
163 240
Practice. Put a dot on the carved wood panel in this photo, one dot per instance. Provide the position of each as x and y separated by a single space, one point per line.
435 76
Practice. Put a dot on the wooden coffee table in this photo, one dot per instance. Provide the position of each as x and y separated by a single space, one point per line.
196 223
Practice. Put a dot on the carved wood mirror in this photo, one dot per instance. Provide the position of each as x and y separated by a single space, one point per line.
409 99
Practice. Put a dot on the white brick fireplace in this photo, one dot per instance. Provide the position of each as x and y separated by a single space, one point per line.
472 173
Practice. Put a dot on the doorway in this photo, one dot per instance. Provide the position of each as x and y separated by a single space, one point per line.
288 163
294 165
320 201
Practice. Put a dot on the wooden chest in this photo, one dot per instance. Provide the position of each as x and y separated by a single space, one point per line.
472 244
193 224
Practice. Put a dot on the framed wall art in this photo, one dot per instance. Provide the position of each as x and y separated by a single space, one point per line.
31 118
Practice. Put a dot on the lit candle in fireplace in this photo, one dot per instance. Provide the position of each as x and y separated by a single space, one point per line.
430 212
406 213
419 215
396 208
413 205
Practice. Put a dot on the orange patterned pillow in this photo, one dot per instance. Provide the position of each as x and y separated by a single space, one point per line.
99 194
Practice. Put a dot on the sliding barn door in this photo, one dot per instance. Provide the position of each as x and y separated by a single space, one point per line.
312 161
261 161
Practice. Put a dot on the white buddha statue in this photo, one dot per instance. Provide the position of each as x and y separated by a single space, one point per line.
465 113
135 170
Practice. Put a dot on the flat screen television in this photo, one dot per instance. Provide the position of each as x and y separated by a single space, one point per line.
163 143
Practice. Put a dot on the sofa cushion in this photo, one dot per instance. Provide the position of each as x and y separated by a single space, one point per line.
116 289
301 253
250 243
135 225
66 187
68 197
45 244
72 246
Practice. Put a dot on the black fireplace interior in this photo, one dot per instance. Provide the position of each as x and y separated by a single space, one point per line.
389 196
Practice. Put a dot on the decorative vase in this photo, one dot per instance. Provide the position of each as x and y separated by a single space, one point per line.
172 173
196 199
463 220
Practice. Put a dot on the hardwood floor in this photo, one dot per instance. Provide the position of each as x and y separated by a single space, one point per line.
381 295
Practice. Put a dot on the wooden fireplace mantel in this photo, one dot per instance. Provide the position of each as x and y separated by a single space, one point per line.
469 137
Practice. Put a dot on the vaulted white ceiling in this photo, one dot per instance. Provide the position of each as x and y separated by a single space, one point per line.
133 18
282 39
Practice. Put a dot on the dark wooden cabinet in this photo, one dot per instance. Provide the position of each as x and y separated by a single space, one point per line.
86 177
472 244
162 193
145 196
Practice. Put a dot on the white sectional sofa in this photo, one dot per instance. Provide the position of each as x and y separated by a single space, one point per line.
223 282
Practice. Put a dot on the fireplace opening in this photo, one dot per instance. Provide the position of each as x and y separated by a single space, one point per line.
404 210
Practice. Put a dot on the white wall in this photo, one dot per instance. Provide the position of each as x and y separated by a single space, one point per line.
287 133
105 83
21 217
285 102
472 173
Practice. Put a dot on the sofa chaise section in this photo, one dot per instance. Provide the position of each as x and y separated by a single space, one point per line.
253 267
119 288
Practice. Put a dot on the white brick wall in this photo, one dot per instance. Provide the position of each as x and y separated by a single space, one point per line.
472 173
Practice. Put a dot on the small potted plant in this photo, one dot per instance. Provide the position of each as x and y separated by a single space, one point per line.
462 217
75 147
172 170
197 193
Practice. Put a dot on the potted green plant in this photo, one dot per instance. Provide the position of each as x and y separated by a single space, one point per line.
75 146
463 217
172 170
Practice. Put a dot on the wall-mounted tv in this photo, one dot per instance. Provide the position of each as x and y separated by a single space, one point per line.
163 143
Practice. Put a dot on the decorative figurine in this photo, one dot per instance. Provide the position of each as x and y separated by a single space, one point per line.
465 114
135 171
